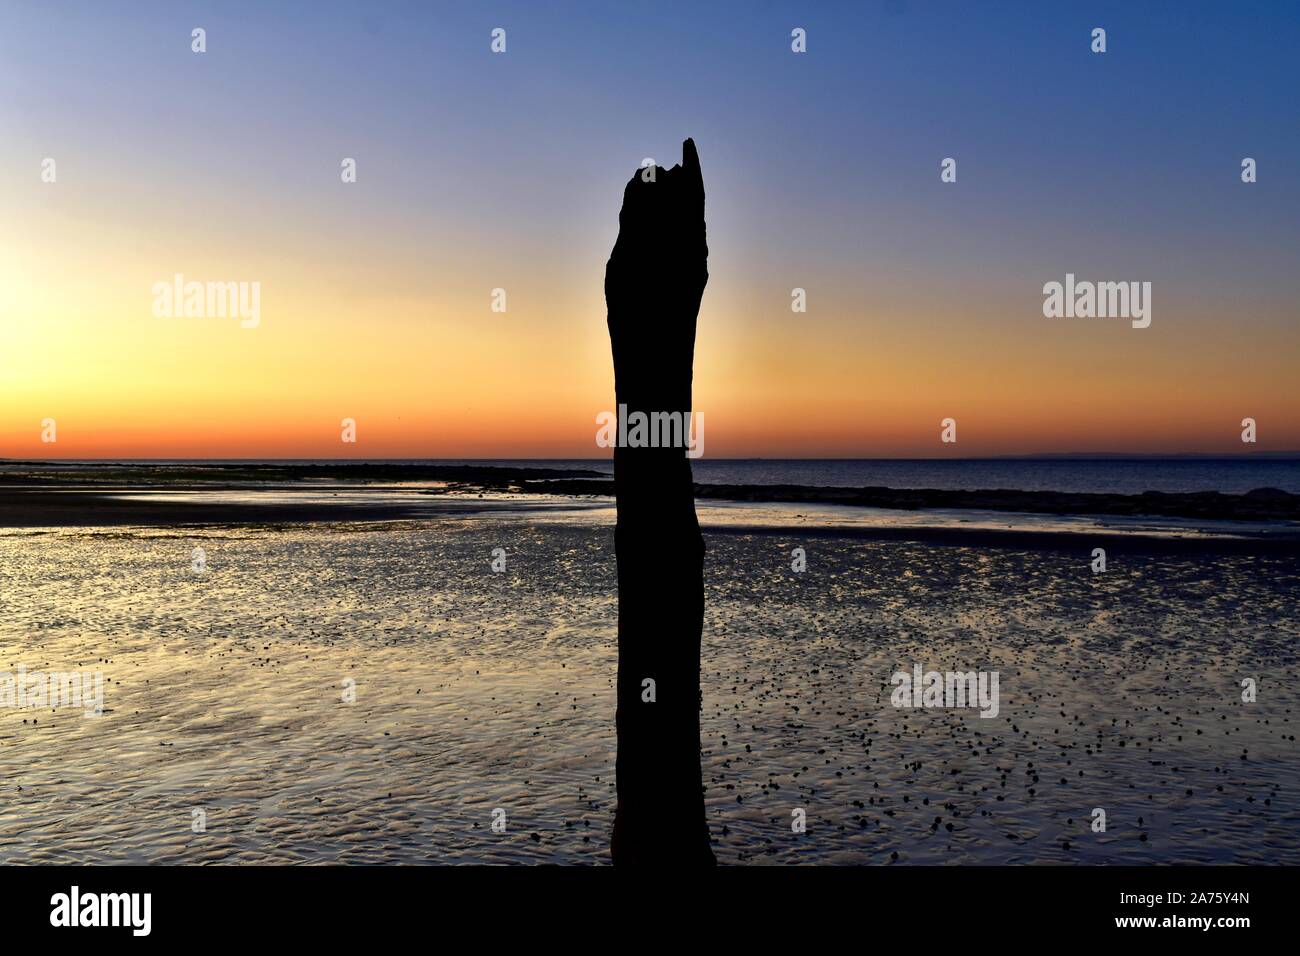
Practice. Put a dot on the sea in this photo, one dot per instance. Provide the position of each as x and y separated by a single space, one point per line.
1073 475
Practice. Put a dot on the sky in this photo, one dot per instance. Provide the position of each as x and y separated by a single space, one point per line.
478 171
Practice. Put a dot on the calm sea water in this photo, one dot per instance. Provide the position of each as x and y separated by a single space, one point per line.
1117 476
1129 476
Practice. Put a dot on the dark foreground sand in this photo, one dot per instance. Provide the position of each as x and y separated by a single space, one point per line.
478 691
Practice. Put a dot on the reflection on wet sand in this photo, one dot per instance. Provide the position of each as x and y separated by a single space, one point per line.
476 690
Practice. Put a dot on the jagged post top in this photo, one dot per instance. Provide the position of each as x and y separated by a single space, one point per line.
668 207
654 280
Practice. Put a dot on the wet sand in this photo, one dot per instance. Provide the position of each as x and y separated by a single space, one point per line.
477 690
282 506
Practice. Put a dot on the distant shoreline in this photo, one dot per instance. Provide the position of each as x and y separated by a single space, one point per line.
1053 457
40 496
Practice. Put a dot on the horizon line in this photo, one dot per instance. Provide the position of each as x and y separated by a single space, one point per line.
1032 456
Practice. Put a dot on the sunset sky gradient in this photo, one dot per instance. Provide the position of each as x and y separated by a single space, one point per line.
478 171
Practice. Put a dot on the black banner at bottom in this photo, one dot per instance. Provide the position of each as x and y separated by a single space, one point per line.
332 905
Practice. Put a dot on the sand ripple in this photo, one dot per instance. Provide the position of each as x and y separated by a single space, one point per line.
477 691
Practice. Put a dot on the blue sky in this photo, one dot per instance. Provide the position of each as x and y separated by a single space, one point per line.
821 168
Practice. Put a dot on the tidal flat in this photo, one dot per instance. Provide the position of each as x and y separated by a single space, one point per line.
370 692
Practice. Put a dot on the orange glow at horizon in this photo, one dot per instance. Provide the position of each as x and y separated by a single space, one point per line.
477 172
418 359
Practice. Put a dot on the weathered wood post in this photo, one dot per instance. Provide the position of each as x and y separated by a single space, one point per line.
654 281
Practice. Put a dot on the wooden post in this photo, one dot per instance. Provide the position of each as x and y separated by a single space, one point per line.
654 281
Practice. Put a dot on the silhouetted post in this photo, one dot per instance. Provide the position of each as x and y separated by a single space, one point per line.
653 285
